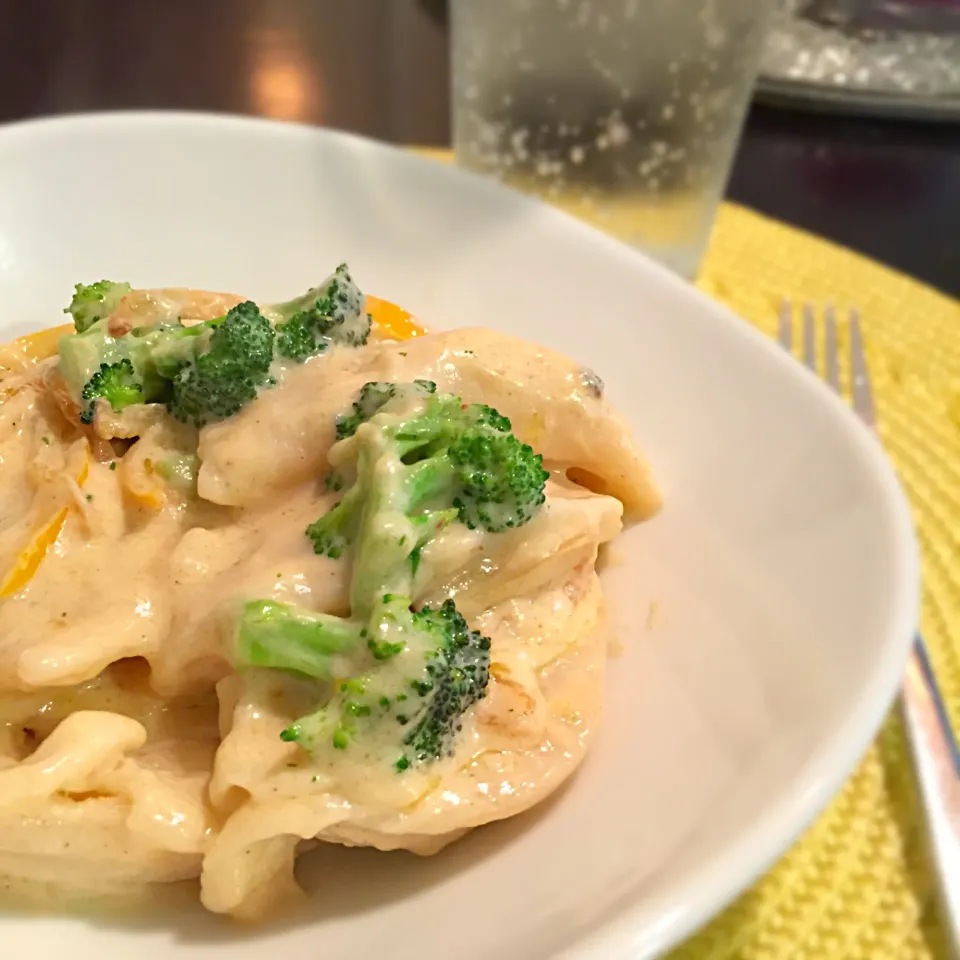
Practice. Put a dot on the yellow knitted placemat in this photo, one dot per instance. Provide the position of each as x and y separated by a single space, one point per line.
856 886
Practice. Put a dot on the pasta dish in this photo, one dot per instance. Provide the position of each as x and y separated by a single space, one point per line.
278 575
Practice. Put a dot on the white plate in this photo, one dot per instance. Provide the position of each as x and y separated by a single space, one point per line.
783 569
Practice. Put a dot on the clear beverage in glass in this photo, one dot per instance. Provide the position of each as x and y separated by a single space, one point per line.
625 112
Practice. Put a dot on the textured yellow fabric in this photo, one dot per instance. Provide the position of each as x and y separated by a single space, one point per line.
856 886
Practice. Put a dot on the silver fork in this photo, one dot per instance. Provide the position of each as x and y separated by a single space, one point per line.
933 746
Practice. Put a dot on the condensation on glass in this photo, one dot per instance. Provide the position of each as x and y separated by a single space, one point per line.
625 112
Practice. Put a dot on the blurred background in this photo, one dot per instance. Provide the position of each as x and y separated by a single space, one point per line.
868 157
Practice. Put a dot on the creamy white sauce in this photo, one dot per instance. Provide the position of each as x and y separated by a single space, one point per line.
149 759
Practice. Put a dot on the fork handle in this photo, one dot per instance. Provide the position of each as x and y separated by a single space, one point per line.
937 764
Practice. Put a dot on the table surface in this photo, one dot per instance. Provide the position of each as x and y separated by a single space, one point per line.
379 67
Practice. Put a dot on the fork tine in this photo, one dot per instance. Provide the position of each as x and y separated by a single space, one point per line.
809 338
933 744
859 375
786 326
830 348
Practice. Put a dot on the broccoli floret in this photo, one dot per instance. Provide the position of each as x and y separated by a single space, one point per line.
333 533
375 395
116 383
209 371
332 313
156 353
423 671
94 301
296 339
218 383
442 671
457 672
500 480
423 460
449 460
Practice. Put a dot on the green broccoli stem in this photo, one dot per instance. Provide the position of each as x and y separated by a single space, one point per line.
286 310
430 522
289 638
336 529
317 728
318 645
436 426
334 724
389 529
169 348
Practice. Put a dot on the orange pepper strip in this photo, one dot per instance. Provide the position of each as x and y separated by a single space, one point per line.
32 555
30 558
392 322
32 348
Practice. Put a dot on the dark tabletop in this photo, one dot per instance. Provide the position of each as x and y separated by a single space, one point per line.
379 67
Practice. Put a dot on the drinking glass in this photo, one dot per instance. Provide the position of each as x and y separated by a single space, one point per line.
625 112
